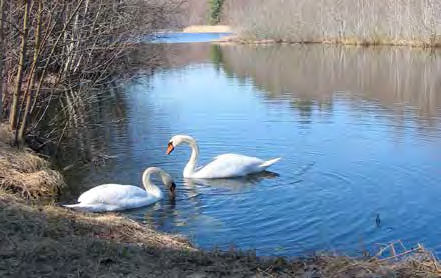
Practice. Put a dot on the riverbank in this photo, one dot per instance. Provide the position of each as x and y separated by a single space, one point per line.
237 39
25 174
49 241
39 240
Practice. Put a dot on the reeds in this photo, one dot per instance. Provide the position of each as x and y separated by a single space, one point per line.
63 53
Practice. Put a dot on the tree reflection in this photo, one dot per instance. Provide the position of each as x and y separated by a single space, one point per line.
403 81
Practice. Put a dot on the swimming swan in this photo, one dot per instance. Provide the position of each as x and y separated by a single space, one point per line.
114 197
223 166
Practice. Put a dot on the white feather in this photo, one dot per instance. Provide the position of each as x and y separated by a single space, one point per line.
223 166
115 197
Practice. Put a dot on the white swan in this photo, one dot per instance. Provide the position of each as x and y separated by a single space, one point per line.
223 166
114 197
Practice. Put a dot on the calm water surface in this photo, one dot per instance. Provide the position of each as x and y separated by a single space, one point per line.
188 37
359 131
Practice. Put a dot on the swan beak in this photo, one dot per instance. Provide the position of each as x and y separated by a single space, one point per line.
170 148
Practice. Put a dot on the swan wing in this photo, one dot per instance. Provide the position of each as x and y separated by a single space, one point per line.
112 194
92 207
230 165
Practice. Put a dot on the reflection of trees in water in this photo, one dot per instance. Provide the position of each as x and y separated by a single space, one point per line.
82 136
92 124
83 133
83 123
216 56
175 55
396 78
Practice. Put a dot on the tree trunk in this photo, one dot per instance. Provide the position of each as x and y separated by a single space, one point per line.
29 92
2 56
13 116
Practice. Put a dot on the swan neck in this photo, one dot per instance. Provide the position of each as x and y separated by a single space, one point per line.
147 183
192 162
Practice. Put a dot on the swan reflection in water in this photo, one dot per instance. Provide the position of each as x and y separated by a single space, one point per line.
233 184
190 195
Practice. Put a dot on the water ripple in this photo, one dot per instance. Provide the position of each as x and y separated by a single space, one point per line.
354 145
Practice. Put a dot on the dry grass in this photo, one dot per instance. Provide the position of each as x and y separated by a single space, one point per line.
340 41
48 241
44 241
24 173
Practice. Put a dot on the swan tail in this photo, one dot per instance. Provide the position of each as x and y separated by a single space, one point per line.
82 207
270 162
74 206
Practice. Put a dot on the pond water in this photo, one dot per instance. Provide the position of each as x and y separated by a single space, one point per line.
359 130
188 37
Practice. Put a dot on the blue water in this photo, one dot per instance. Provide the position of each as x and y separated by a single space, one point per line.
359 132
188 37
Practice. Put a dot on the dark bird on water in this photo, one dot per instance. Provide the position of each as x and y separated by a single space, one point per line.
378 220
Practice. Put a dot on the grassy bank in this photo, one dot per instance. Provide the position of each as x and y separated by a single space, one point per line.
242 38
49 241
360 22
23 173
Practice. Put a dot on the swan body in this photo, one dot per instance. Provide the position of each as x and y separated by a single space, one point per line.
115 197
223 166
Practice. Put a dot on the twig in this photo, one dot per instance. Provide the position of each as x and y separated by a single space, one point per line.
419 248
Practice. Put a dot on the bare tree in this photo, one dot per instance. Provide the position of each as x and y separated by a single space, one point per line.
61 54
13 117
29 90
339 21
2 56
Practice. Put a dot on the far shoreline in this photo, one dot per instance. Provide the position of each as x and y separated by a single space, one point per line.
237 39
234 38
207 29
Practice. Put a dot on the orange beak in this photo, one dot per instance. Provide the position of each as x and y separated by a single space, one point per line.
170 148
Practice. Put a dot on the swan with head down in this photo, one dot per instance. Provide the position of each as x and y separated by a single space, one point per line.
115 197
228 165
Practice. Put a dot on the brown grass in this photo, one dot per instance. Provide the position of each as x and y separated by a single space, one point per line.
344 41
24 173
48 241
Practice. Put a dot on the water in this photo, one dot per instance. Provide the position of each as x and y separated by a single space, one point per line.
359 131
188 37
